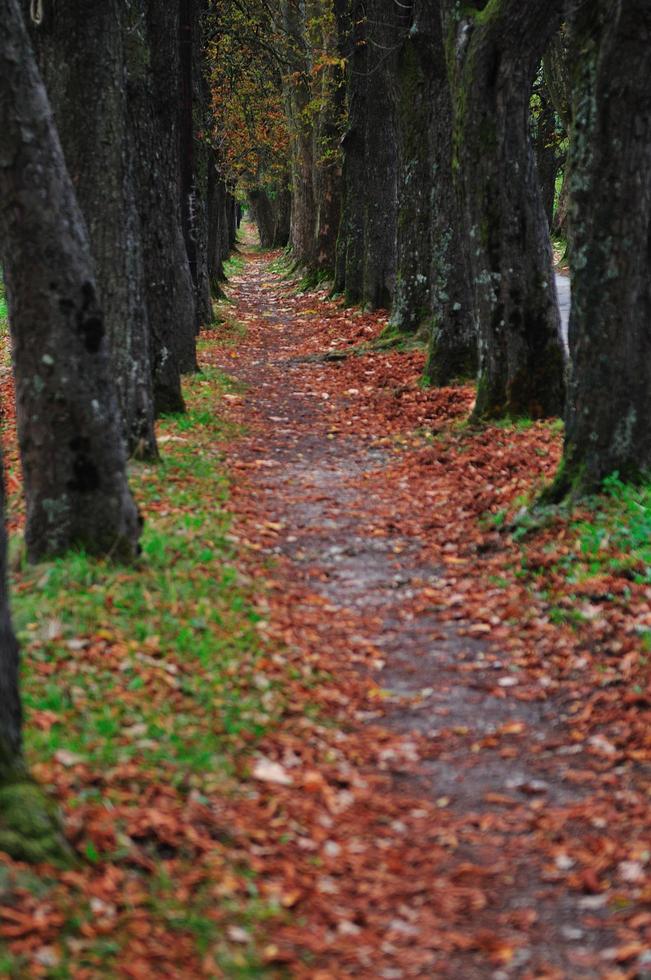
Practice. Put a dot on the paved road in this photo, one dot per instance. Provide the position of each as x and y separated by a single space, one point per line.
563 290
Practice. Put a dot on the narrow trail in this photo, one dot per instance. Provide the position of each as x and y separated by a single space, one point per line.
427 808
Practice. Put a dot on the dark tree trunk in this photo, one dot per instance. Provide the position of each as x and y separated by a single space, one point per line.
414 96
609 406
202 158
346 51
492 57
296 85
366 248
80 50
452 353
381 161
73 456
153 83
330 92
271 216
217 219
349 274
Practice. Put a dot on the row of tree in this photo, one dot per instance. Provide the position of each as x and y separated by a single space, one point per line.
115 218
403 131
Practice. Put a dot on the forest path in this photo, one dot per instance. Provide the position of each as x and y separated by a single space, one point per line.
426 808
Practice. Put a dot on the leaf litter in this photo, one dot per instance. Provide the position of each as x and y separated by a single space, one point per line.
427 752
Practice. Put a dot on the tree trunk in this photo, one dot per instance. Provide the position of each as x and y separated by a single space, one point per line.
413 109
492 57
80 50
452 353
608 424
197 130
153 79
296 87
381 160
349 277
544 141
556 69
73 456
217 212
329 90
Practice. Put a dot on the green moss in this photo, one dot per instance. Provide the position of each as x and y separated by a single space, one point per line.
30 829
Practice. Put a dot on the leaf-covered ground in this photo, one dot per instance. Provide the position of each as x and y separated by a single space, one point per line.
356 714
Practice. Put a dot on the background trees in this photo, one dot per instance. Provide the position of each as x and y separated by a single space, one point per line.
454 121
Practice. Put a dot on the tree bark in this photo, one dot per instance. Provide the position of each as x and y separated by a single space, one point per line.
608 423
544 141
296 89
349 277
366 248
80 51
492 57
413 107
452 353
329 90
196 153
153 80
381 160
73 456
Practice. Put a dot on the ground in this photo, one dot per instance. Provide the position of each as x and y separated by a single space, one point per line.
359 714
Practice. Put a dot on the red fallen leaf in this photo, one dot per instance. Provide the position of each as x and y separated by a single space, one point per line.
44 720
627 952
590 883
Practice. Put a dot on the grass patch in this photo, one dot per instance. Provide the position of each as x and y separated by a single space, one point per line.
234 265
616 538
144 678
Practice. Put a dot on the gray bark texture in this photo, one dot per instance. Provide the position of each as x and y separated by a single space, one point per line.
492 57
69 425
608 421
366 247
152 47
80 52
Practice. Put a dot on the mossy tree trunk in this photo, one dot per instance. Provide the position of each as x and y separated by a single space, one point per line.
69 426
493 52
608 421
80 51
153 72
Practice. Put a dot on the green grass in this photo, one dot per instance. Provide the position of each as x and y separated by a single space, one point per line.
154 665
182 607
617 537
4 312
234 264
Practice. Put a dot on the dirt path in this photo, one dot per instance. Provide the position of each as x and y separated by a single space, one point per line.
438 816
